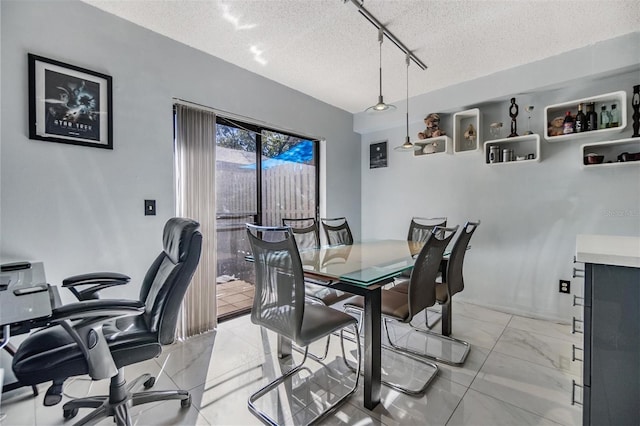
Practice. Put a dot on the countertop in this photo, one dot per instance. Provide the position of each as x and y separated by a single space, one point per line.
608 250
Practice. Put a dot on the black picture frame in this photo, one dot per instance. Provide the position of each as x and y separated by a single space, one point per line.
378 155
69 104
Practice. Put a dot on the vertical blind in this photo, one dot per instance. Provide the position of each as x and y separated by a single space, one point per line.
195 148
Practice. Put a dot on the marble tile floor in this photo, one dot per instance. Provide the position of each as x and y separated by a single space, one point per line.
518 373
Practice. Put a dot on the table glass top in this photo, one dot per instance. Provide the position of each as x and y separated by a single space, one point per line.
363 263
14 308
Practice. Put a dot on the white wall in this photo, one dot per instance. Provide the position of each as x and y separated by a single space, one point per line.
80 209
530 213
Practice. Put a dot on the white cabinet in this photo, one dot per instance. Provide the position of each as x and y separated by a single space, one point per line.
437 145
524 147
558 111
613 153
463 123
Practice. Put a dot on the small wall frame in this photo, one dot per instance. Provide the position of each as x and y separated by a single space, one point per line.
378 155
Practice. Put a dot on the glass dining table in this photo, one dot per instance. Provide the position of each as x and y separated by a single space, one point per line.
361 269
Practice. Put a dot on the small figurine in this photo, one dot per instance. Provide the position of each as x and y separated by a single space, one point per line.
470 133
432 121
556 127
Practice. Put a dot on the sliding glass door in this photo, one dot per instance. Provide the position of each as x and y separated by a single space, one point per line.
262 176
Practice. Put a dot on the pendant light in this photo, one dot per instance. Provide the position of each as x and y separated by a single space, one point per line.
407 145
380 106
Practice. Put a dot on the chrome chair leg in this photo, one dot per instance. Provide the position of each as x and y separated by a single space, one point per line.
435 321
265 418
312 355
393 385
440 337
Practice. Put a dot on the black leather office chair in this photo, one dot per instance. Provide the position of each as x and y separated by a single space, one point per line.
100 337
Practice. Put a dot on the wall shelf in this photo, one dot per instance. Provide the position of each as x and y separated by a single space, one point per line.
559 110
521 145
611 150
431 146
461 122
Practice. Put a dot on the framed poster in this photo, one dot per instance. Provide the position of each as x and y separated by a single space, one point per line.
378 155
69 104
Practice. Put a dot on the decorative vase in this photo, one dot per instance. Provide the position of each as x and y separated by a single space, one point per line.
513 113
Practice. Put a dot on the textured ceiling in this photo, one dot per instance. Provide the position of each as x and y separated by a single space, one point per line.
326 49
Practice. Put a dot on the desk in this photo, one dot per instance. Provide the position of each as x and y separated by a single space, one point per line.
363 269
19 314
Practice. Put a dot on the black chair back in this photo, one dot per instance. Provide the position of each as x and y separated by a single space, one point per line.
422 284
455 280
420 227
278 304
305 231
337 231
166 281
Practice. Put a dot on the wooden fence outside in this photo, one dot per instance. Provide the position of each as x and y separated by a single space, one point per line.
288 191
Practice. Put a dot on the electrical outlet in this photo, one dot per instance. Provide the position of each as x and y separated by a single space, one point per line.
564 286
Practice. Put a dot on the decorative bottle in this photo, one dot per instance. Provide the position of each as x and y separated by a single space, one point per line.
567 124
592 117
615 116
605 118
581 121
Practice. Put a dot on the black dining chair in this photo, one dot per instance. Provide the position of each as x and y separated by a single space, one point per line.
280 306
452 279
420 227
337 231
305 232
421 294
101 337
419 230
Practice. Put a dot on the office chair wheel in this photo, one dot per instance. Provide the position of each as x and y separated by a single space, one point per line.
149 383
186 403
69 414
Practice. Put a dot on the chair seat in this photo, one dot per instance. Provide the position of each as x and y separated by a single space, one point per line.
441 290
52 354
326 295
394 304
320 321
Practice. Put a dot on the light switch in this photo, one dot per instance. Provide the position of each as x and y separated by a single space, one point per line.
149 207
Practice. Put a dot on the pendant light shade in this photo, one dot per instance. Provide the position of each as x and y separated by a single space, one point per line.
380 106
407 145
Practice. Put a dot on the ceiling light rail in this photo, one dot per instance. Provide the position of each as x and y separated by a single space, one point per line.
364 12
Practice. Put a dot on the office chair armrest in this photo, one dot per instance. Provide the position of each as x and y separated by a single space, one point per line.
101 310
83 321
99 280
